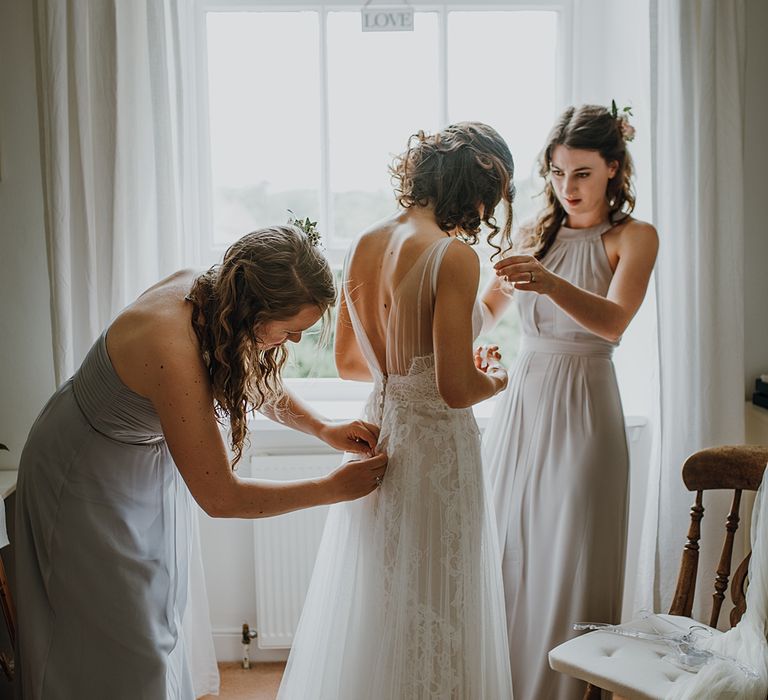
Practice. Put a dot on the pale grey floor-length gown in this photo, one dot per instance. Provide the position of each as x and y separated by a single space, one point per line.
406 600
102 547
556 454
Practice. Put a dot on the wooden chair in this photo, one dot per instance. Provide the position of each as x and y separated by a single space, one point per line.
633 668
9 615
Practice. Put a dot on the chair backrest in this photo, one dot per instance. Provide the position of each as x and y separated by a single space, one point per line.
737 468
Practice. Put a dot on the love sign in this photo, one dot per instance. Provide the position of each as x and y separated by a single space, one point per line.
387 19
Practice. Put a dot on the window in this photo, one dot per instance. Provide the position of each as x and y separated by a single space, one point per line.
305 112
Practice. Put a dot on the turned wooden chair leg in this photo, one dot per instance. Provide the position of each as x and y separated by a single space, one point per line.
6 602
7 605
592 692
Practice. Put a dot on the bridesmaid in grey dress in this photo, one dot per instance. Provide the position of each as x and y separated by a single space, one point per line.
556 448
112 462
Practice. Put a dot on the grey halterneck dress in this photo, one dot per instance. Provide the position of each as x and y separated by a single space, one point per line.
102 539
556 453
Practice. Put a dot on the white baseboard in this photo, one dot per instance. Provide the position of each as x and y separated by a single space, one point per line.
229 647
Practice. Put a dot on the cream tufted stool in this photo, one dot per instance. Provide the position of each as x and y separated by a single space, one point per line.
629 667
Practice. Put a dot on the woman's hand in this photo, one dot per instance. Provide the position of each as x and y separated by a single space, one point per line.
356 478
498 373
527 274
487 360
485 354
357 436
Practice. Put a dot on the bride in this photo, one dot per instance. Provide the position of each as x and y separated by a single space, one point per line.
406 600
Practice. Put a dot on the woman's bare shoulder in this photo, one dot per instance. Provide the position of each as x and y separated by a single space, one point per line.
375 237
631 232
637 233
162 306
461 259
155 331
631 226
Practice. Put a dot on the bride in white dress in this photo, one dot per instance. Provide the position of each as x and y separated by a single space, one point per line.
406 599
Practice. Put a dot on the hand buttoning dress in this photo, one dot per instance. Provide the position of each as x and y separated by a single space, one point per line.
405 601
556 454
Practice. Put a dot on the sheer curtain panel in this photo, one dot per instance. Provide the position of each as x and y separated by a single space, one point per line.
697 79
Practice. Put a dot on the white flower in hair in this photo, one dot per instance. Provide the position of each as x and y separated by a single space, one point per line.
307 226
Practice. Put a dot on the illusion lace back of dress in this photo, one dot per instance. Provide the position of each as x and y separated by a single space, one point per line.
409 326
409 331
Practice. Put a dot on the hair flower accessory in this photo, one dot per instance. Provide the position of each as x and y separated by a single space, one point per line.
622 116
309 228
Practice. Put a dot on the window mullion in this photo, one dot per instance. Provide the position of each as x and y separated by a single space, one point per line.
442 63
326 205
205 244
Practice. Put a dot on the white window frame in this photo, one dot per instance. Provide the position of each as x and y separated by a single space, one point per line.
315 389
335 251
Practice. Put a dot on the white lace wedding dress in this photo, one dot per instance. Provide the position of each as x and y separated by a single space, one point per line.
406 599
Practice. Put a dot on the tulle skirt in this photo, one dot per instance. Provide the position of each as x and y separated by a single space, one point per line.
406 599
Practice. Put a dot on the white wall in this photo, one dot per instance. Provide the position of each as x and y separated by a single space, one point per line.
755 187
26 364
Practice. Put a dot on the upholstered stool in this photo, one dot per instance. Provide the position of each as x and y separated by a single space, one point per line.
630 667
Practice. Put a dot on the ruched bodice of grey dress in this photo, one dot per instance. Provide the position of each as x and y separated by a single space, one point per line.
109 406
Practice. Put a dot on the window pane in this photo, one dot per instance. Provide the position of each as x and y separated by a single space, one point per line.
382 87
508 83
313 355
263 83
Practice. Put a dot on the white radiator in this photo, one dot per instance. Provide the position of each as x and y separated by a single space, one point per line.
286 548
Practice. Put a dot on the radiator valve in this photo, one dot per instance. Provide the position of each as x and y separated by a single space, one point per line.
248 635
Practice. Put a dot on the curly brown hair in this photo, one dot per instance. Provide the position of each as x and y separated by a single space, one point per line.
590 128
267 275
455 170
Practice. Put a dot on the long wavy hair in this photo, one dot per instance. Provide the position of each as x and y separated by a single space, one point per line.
591 128
267 275
454 171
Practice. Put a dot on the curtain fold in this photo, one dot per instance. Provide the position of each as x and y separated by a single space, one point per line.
697 75
117 139
117 161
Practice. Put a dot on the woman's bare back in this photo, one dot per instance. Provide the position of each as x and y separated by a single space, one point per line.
385 280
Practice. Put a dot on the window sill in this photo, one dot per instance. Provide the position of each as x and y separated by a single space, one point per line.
269 437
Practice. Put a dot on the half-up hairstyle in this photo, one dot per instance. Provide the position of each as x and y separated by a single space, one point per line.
267 275
454 171
590 128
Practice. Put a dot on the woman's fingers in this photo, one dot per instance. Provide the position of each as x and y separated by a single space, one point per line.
519 269
484 355
365 434
378 464
357 478
518 273
513 260
372 429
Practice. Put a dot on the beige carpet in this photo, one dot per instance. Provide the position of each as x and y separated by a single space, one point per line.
260 682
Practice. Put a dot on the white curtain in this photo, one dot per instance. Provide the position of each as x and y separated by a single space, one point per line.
116 151
118 162
697 71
